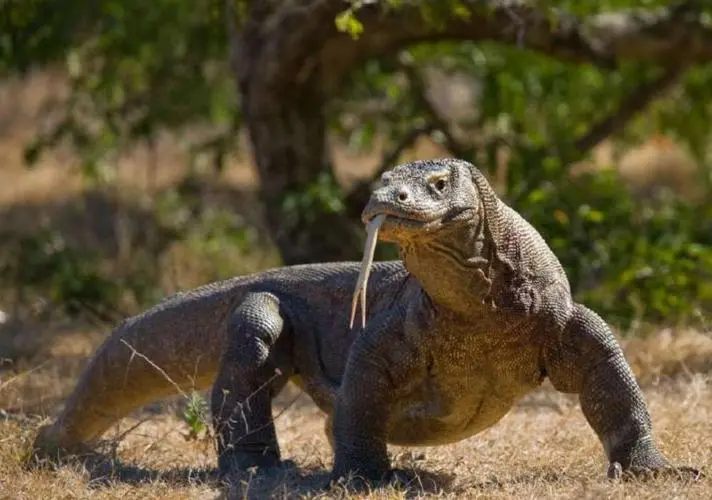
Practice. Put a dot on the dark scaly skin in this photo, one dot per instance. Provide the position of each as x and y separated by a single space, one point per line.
488 315
216 336
478 317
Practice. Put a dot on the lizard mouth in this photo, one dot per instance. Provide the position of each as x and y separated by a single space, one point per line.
397 218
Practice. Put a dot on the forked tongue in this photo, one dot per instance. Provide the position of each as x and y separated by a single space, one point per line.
371 239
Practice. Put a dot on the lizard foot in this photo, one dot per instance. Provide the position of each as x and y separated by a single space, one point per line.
236 462
637 472
51 447
642 461
399 479
360 472
255 481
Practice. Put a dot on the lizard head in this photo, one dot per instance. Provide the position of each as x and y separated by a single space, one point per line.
422 198
416 202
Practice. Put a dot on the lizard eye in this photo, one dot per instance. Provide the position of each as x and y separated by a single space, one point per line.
439 185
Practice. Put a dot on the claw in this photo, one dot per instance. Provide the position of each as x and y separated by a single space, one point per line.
372 237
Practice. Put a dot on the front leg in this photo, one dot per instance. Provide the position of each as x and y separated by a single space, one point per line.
378 368
586 359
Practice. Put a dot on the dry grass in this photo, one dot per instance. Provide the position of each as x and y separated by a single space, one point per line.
542 449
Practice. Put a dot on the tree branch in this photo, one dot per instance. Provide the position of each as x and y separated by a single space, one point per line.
667 37
418 89
638 99
289 59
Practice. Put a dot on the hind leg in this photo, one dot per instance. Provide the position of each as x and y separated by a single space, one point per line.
247 380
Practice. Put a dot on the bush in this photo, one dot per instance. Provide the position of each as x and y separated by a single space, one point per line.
630 259
70 278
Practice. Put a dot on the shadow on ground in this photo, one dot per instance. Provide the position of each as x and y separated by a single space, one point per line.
287 481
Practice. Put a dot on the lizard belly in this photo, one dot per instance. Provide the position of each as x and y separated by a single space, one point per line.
461 397
426 422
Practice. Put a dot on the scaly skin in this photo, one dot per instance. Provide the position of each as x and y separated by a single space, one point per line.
475 316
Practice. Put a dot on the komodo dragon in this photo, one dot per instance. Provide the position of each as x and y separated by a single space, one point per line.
475 316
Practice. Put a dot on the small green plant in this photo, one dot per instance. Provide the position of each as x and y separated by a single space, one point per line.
196 417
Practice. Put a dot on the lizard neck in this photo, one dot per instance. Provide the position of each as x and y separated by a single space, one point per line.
457 267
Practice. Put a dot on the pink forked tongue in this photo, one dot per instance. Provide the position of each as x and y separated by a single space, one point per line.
371 238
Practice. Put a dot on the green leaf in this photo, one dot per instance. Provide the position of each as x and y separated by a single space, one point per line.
346 22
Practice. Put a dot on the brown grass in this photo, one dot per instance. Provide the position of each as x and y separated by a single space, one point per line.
542 449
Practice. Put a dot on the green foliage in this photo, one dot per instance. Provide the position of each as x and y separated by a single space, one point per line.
321 197
685 116
70 277
213 234
136 69
196 416
35 32
223 239
631 260
348 23
140 68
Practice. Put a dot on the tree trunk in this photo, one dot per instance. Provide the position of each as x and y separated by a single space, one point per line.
284 112
288 136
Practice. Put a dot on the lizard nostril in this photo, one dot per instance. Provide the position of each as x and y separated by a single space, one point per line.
402 196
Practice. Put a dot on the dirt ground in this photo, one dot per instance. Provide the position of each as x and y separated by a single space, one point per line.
542 449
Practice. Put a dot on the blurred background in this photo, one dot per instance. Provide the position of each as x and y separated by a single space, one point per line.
140 155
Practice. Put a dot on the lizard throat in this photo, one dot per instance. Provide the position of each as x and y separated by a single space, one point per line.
457 243
465 259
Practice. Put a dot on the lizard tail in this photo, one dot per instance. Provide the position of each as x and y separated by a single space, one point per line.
170 350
